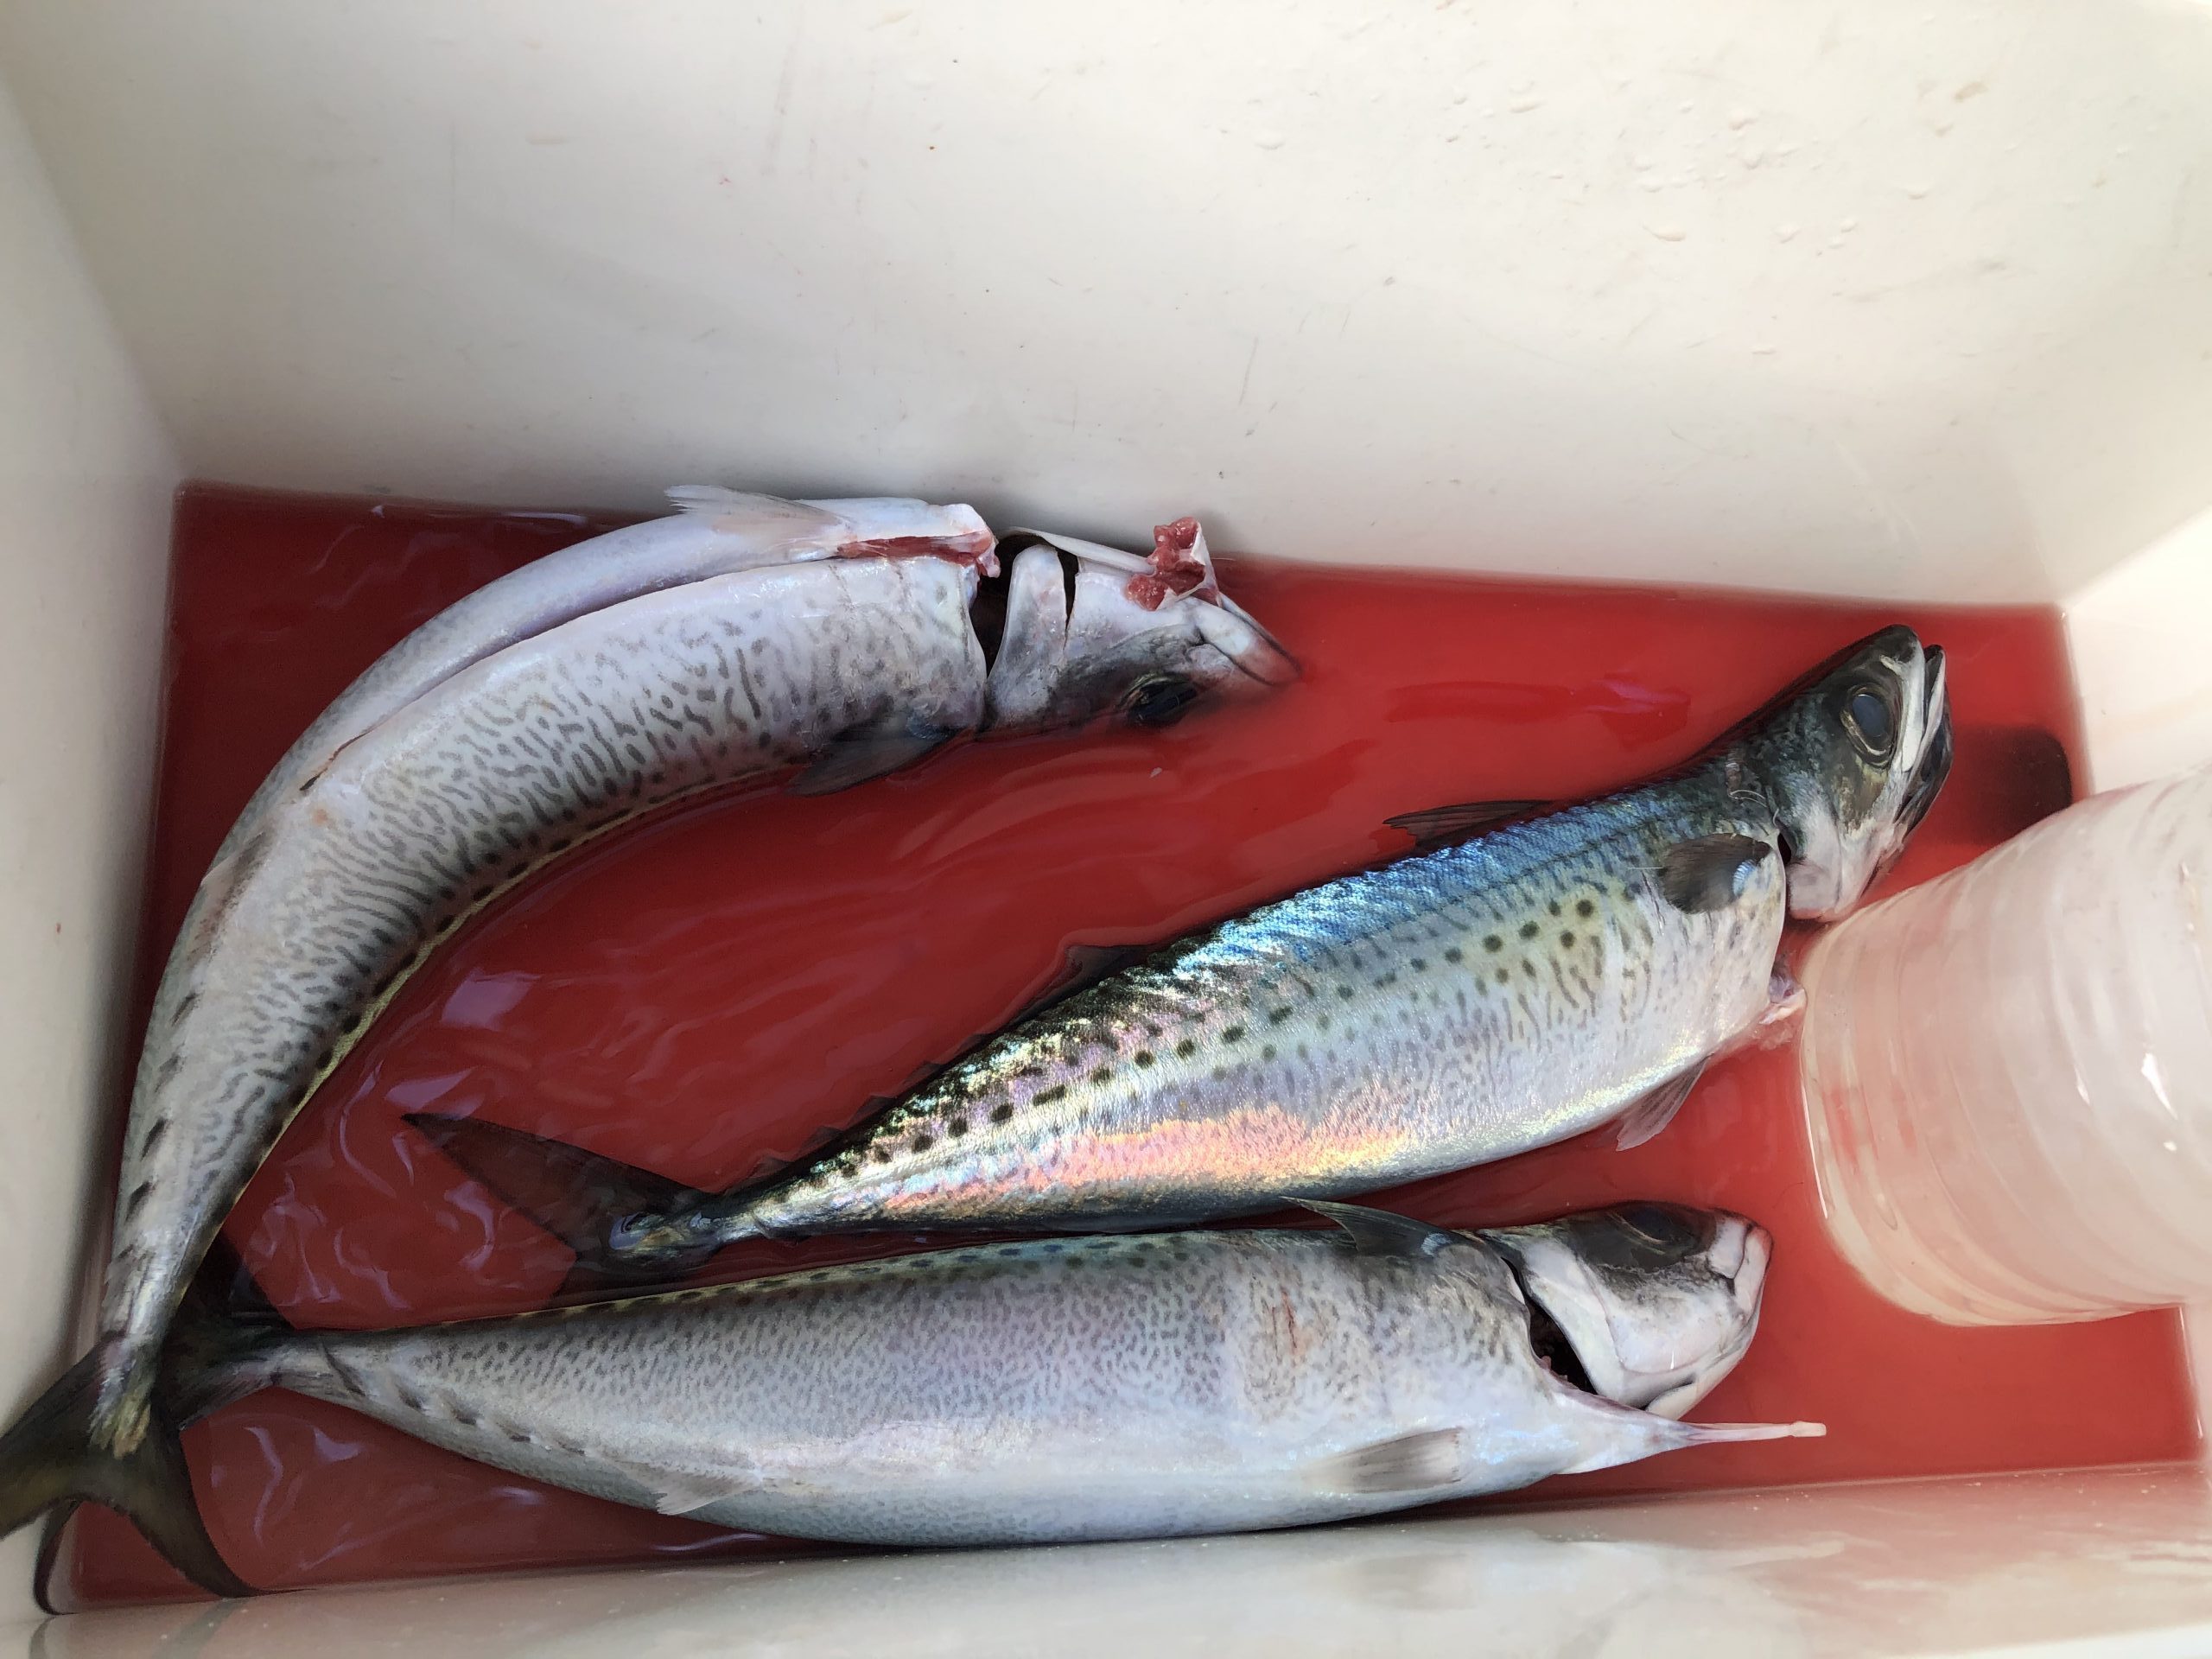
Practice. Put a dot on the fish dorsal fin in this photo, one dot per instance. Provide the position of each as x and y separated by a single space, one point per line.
1439 826
1656 1109
743 512
1377 1232
1428 1460
1707 873
1082 966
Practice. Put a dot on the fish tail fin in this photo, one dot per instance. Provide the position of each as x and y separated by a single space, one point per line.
628 1226
56 1456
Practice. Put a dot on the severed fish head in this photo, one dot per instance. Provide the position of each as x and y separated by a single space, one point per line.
1648 1305
1850 759
1093 632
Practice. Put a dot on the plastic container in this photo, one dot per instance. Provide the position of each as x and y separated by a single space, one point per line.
2008 1071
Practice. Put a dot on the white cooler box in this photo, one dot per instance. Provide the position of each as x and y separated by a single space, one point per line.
1905 301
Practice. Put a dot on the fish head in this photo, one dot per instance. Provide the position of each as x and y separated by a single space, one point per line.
1648 1305
1852 758
1094 633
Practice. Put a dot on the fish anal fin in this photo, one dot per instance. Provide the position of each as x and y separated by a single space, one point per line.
1439 826
1426 1460
1378 1232
1707 873
1656 1109
856 755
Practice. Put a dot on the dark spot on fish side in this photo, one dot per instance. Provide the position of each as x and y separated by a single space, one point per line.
1454 954
1233 1034
139 1194
1267 1051
1185 1048
1143 1057
465 1416
1502 976
1529 930
154 1131
1387 980
1566 941
481 894
1346 992
1586 909
1003 1111
957 1127
1103 1074
924 1142
1276 1016
1554 906
349 1024
880 1155
1047 1097
1491 942
1221 1074
1527 967
1418 964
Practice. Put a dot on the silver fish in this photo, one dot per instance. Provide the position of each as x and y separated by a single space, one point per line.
833 637
1453 1008
1089 1388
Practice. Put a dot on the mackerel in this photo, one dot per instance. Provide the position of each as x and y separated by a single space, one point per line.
1451 1007
1048 1391
743 638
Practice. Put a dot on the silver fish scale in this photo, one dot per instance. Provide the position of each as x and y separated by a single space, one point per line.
1444 1010
350 884
1063 1389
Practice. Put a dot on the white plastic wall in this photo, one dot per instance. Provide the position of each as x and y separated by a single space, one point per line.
1902 297
85 476
1910 298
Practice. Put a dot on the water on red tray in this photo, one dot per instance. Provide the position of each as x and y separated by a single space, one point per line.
720 985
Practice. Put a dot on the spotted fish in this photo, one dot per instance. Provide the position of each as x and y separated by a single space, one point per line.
1459 1005
741 639
1086 1387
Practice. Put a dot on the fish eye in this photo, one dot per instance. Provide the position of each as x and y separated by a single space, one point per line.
1870 721
1159 700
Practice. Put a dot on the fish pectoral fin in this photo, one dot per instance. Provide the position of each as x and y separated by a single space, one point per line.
1426 1461
741 512
1439 826
1378 1232
861 753
687 1493
1655 1110
1707 873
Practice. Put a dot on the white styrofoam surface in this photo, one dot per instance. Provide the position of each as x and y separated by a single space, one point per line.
1905 297
85 475
2112 1563
2142 640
